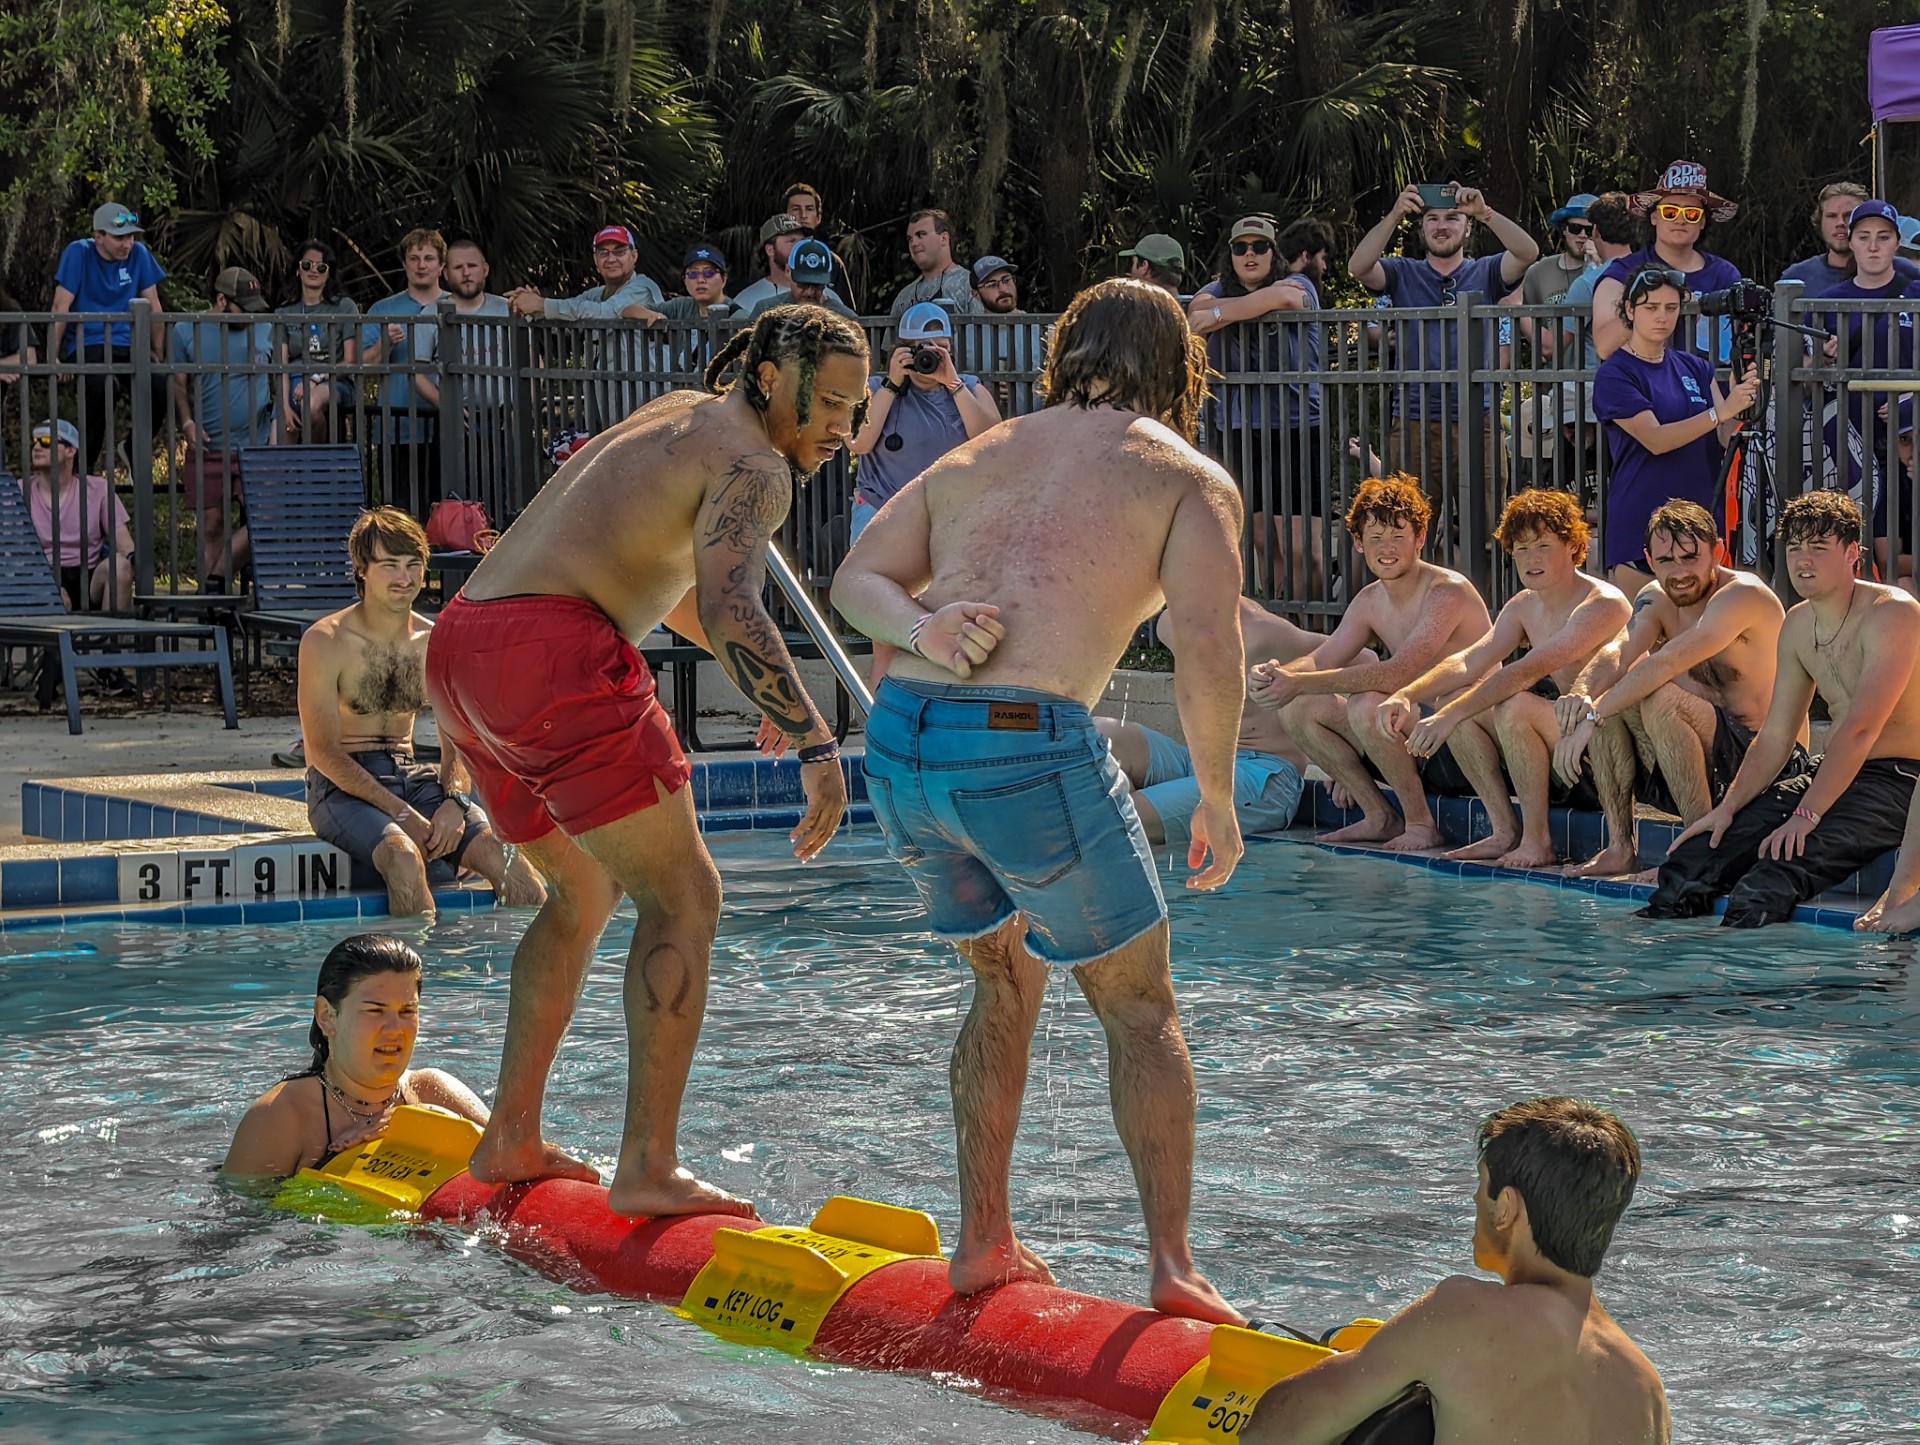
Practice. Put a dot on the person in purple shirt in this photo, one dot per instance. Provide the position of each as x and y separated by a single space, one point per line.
1420 434
1666 421
1680 207
1869 341
1834 264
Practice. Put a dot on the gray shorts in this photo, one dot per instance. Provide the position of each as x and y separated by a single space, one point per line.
1266 789
356 827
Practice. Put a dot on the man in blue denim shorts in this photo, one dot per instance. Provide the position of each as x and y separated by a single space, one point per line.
988 777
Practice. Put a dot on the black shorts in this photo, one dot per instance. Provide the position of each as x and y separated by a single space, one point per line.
1731 739
1281 470
356 827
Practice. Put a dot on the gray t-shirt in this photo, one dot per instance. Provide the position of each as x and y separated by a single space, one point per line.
1548 278
685 308
760 290
596 303
954 287
485 347
311 337
784 297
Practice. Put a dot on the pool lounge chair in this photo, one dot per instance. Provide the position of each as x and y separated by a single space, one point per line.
32 615
301 503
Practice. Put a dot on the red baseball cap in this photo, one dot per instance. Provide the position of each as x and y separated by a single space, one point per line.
619 235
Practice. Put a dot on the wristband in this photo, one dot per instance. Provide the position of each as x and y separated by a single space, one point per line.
913 633
1808 814
954 390
1713 415
897 388
819 752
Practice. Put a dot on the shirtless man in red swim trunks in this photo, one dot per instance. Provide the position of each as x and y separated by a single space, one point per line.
534 679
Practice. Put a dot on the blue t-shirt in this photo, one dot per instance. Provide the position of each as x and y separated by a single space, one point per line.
101 285
927 425
1412 281
1274 342
233 407
419 343
1680 386
1580 298
1820 276
1715 273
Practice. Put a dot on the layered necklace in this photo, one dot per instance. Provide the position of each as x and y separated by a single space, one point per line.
355 1107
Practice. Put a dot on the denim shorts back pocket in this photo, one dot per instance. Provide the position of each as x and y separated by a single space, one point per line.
880 796
1023 831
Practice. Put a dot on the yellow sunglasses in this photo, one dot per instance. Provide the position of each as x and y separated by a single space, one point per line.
1692 215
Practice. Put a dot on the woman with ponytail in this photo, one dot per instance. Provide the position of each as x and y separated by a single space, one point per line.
366 1015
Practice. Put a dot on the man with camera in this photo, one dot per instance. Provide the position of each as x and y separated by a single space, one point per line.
921 410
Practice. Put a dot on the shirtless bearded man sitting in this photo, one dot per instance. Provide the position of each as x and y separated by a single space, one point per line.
362 680
1771 845
1329 703
1683 694
535 679
1562 617
998 795
1533 1358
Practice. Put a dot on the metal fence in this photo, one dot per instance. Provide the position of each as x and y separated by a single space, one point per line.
1468 398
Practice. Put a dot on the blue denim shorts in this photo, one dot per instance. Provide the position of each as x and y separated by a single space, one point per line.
1266 790
1004 800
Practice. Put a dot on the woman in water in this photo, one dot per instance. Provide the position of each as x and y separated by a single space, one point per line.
1666 421
365 1018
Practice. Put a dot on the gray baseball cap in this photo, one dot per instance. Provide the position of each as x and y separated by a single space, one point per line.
117 220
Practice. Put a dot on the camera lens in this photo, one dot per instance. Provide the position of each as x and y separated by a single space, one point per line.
926 359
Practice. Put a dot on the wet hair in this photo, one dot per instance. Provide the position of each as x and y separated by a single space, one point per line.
1390 501
1613 219
330 287
1575 1165
1538 511
1126 343
1818 515
346 963
423 236
387 527
802 334
1680 518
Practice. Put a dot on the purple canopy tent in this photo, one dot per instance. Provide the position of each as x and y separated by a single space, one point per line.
1893 88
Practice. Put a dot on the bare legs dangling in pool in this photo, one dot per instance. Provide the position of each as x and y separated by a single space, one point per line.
1151 1084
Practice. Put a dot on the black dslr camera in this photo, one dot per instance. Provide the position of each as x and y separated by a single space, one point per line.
1745 300
926 359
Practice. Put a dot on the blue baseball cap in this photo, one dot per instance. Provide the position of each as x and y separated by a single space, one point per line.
924 319
1574 210
67 431
1874 210
1910 233
810 263
704 253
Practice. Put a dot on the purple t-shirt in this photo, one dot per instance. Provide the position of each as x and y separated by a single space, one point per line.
1640 482
1716 273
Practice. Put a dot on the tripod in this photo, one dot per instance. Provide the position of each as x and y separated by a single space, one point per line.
1753 498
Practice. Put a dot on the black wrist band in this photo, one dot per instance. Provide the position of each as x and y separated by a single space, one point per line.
898 388
819 753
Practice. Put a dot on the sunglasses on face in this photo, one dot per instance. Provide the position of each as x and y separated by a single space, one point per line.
1579 228
1652 280
315 268
1692 215
1256 248
701 273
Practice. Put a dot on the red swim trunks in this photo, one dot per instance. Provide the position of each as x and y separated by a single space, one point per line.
553 712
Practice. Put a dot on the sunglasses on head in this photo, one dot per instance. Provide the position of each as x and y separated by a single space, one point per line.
1257 248
1652 279
1579 228
315 268
126 218
1670 211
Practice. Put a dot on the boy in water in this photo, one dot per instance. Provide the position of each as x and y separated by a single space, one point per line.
1532 1358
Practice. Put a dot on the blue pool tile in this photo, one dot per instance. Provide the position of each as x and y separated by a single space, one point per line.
30 883
782 819
214 914
17 922
776 781
30 809
279 910
697 786
325 908
733 820
73 816
162 822
730 784
119 812
94 824
89 880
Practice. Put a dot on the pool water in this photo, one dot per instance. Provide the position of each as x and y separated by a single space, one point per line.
1350 1020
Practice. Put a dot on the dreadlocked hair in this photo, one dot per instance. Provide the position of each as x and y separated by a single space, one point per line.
798 333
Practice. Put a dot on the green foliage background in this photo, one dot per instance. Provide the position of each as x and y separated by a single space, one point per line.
1053 130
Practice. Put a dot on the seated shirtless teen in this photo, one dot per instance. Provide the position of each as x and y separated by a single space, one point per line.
1682 695
1415 614
1562 617
1533 1358
1269 770
1773 843
362 680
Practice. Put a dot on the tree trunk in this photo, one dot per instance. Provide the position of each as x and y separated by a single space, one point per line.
1506 99
1319 67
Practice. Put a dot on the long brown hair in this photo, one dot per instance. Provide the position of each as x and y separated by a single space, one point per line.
1124 343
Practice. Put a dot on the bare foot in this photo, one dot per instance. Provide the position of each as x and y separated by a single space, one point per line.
1646 875
1191 1297
1901 918
972 1270
1417 838
1367 830
1487 849
1529 855
508 1161
678 1193
1609 862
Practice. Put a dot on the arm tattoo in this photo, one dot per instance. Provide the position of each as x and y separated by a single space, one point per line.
749 505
